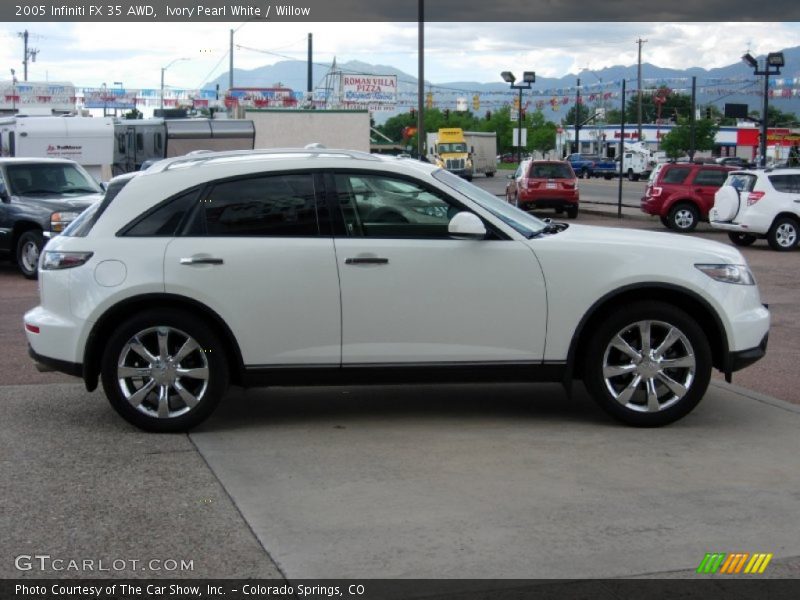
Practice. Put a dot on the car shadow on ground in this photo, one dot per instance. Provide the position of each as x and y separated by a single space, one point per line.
245 409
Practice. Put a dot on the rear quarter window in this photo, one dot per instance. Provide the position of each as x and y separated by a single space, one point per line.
675 175
744 182
789 184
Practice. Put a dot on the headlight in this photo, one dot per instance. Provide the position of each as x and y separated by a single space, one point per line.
60 220
53 261
738 274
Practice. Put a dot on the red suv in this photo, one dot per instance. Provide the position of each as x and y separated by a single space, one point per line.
545 184
683 193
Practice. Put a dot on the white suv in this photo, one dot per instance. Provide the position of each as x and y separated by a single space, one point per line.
758 203
303 267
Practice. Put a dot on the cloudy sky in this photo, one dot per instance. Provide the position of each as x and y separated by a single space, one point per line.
89 54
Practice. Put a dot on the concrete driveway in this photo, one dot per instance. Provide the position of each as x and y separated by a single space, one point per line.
456 481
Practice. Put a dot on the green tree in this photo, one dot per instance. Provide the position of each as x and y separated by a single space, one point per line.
777 118
678 141
541 132
675 105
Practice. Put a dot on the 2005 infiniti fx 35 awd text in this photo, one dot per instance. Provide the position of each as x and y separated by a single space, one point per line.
320 266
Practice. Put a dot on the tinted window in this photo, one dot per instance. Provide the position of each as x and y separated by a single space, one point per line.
789 184
165 219
275 205
675 175
382 206
742 182
713 177
81 226
551 171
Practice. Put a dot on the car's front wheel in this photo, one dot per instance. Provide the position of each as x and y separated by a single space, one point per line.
29 247
648 364
164 371
783 235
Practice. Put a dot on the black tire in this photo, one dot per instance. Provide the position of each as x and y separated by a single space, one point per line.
572 211
683 217
631 176
741 239
607 176
666 405
664 221
783 234
207 355
29 246
585 174
490 173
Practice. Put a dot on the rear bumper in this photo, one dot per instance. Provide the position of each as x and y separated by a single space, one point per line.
54 364
651 207
547 203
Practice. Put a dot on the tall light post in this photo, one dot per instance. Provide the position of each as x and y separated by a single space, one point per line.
162 77
13 90
104 87
528 78
772 66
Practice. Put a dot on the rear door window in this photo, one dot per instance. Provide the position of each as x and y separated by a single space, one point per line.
712 177
676 175
789 184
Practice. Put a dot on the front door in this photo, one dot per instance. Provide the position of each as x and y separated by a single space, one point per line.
412 294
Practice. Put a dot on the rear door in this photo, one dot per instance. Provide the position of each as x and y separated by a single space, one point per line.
706 182
260 254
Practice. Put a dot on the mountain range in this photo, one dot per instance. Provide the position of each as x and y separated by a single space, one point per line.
717 86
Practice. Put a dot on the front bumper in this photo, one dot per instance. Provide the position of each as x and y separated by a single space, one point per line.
744 358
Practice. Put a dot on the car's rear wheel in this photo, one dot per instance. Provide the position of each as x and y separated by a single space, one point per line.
585 173
741 239
683 217
648 364
164 371
782 236
29 247
572 212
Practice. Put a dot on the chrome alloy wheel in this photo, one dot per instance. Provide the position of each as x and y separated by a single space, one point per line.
786 235
162 372
649 366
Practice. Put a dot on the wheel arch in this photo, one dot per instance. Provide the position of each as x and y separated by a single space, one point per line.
669 203
788 214
105 325
688 301
21 227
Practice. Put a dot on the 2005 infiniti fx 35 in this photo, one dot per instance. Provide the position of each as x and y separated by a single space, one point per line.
320 266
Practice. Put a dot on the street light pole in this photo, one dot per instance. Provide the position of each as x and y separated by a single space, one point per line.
163 69
528 78
772 66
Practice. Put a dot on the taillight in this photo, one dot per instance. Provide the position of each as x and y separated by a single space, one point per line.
655 192
754 197
54 261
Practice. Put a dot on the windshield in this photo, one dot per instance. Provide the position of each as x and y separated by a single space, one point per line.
524 223
454 147
28 179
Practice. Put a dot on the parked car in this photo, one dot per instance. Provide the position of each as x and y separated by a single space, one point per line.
734 161
274 268
682 193
544 184
760 204
39 197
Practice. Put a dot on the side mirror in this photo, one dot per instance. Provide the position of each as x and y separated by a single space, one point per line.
510 176
104 185
4 197
466 226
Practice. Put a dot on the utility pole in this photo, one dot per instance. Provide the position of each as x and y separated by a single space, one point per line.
577 147
310 84
230 66
421 80
27 53
693 116
640 41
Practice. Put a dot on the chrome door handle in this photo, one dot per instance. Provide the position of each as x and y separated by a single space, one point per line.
201 261
366 260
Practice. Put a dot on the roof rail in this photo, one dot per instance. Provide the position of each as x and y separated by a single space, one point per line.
210 157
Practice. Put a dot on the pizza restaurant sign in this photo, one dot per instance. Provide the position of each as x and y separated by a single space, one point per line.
369 90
